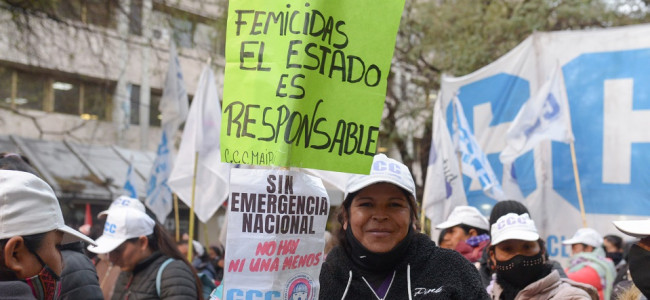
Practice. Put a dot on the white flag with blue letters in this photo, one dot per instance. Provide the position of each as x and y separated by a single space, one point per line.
473 160
443 188
173 108
545 116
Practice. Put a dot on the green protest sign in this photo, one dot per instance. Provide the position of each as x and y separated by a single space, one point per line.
305 82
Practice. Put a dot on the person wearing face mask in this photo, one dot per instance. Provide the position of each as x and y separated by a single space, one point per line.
522 271
380 253
613 246
588 263
31 233
638 257
466 231
78 277
499 210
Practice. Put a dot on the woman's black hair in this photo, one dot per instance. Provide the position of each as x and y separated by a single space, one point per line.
16 162
441 237
615 240
32 242
161 241
467 228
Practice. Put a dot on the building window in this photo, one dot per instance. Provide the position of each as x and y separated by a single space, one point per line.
135 17
66 97
135 104
96 101
99 13
154 113
30 90
6 84
95 12
27 90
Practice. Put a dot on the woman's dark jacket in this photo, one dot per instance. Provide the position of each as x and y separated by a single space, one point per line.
427 271
177 281
79 276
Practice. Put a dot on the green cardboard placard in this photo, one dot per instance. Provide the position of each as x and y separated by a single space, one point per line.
305 82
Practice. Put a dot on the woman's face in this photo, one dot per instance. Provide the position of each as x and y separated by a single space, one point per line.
49 253
453 236
129 253
511 248
380 216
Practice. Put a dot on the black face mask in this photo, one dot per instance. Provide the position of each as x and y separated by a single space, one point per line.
616 257
376 262
520 271
639 262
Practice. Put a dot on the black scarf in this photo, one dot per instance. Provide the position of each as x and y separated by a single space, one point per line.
373 262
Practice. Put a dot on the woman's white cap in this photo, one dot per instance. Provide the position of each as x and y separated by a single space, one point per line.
383 169
635 228
122 223
587 236
29 206
467 215
514 227
123 201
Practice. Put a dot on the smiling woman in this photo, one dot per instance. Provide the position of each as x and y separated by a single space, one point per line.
381 254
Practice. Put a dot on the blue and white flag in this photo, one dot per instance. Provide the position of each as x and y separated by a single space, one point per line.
129 188
605 78
443 188
545 116
173 108
474 162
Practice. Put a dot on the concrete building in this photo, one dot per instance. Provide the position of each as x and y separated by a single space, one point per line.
61 67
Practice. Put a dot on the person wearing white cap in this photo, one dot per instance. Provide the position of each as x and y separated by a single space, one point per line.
380 253
588 264
141 248
106 271
639 255
466 231
123 201
521 269
31 231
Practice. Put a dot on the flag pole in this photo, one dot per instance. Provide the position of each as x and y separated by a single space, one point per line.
205 235
578 190
189 244
423 219
177 218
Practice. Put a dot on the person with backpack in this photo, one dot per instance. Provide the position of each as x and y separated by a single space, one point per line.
151 265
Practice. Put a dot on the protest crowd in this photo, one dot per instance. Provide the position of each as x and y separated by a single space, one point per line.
379 250
314 103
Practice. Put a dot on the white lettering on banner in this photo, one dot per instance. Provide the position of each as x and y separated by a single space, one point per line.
491 139
622 126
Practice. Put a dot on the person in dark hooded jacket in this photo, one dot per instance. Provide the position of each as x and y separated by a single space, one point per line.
79 277
381 256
